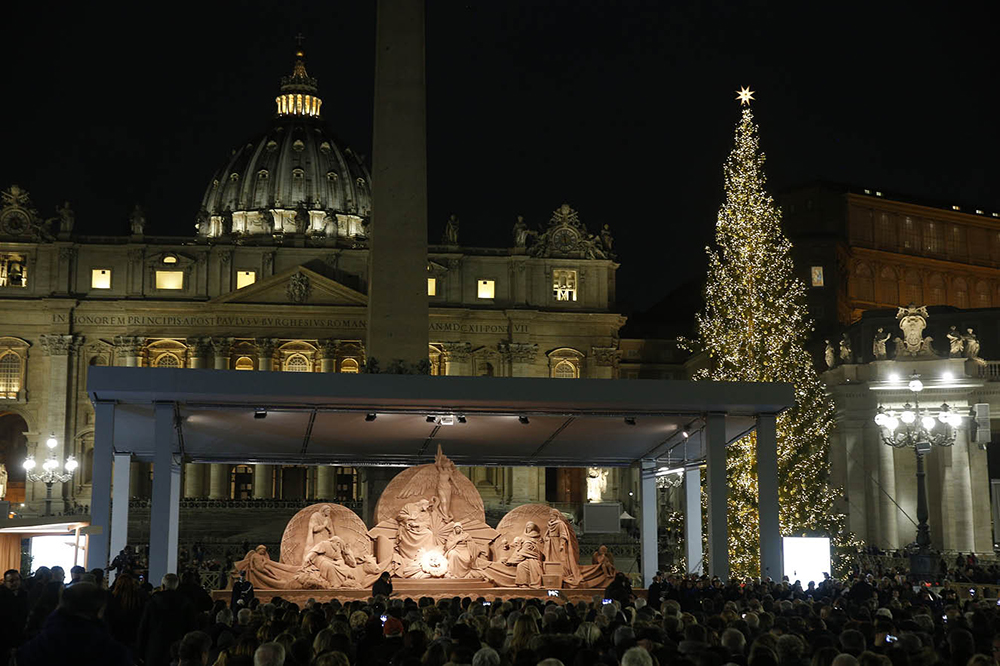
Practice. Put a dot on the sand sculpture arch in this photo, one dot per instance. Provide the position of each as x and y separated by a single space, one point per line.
345 523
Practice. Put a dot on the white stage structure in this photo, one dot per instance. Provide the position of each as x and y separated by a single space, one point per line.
171 416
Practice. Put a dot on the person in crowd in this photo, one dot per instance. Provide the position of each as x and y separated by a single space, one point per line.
242 593
167 617
125 607
382 586
13 613
74 633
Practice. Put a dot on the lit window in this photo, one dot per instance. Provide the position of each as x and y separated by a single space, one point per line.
816 273
244 363
245 278
564 285
168 361
485 289
564 370
100 278
349 366
432 286
170 259
297 363
13 270
170 279
10 375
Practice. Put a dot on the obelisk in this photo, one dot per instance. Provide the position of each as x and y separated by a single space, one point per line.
397 256
397 259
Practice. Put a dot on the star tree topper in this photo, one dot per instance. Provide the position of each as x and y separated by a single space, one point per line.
744 95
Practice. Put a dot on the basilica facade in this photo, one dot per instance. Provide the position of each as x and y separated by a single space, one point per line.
274 277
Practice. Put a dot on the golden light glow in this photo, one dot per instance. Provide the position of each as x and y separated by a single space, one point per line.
432 286
100 278
486 289
754 328
298 105
173 280
744 95
245 278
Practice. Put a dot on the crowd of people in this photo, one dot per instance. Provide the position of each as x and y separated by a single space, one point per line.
682 621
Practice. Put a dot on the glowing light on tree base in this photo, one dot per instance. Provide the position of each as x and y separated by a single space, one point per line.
754 328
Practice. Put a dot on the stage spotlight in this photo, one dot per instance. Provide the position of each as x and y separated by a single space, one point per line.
461 419
370 417
432 419
260 413
630 420
524 420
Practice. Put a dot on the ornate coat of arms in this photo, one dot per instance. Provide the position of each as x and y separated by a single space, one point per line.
913 321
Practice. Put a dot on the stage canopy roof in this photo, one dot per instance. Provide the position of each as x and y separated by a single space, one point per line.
364 420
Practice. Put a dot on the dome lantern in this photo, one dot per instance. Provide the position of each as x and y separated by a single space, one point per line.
298 92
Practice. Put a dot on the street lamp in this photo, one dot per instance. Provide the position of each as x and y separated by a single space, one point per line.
919 428
49 476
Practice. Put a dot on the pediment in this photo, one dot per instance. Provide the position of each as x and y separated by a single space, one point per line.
296 286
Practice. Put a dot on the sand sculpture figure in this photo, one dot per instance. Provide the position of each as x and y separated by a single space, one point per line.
431 526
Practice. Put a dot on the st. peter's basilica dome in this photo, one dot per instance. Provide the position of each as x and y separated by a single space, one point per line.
293 179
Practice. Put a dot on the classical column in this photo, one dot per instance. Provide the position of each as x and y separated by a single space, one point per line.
457 358
718 491
397 255
165 513
767 497
263 481
887 497
218 486
328 355
198 349
221 349
100 498
326 482
955 494
647 533
129 347
265 353
60 350
692 521
194 480
981 506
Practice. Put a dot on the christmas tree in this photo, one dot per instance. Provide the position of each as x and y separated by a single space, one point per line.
754 328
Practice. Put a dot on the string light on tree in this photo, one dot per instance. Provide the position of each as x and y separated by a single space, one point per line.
754 328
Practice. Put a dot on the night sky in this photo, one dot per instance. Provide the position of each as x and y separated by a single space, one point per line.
624 110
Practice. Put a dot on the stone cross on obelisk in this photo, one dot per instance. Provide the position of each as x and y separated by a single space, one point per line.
397 259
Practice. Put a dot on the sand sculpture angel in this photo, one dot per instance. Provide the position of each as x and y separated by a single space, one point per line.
438 481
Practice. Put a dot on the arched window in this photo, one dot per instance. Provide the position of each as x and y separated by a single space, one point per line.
167 361
349 366
960 289
297 363
983 295
98 360
10 375
936 294
486 369
244 363
862 285
888 287
914 288
565 370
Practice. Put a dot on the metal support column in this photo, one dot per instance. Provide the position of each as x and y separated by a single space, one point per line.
718 497
693 549
100 500
767 497
165 512
647 532
119 503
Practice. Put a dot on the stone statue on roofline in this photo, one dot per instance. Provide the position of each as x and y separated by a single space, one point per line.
878 344
846 356
972 347
450 236
137 221
956 343
829 355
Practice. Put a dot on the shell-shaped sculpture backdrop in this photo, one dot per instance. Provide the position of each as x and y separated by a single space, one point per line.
346 524
421 482
512 524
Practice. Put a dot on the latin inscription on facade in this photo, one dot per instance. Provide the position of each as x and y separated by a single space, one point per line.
224 321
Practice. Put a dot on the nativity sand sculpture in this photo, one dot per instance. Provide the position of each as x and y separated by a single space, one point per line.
431 525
